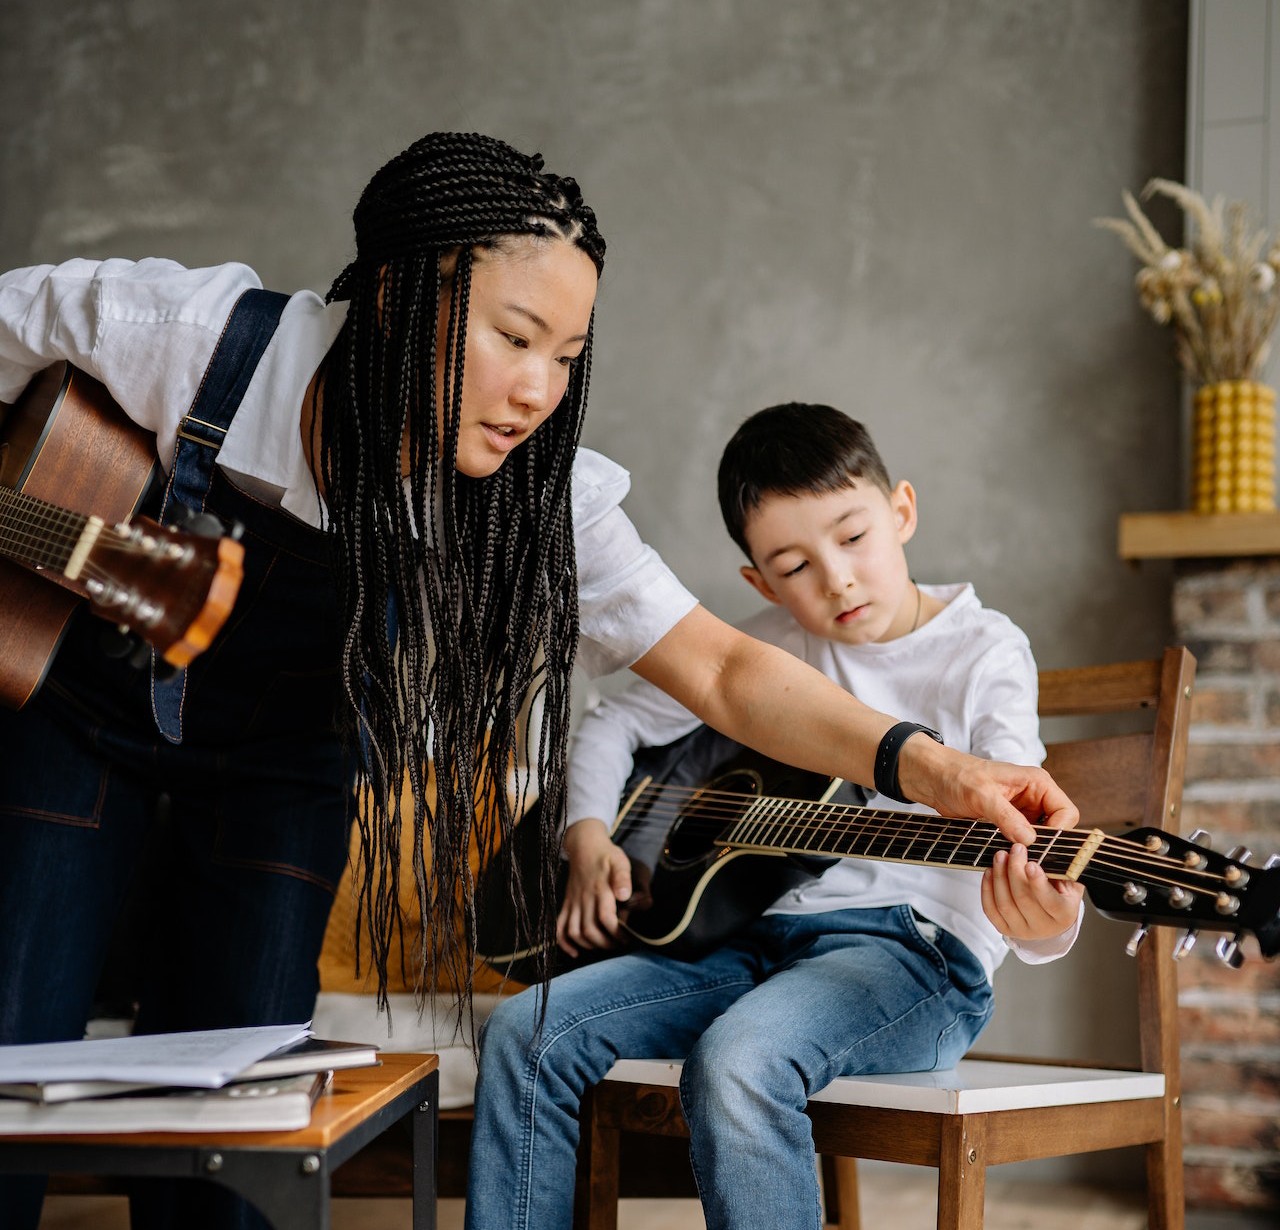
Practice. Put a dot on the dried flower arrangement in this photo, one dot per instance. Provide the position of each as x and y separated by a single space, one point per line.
1219 292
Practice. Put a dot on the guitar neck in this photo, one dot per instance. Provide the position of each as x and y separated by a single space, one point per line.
37 534
794 827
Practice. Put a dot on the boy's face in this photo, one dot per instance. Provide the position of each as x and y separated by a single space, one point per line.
835 561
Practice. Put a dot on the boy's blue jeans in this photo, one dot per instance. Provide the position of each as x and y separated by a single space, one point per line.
761 1023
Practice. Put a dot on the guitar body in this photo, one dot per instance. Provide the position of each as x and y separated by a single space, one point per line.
74 469
689 894
67 442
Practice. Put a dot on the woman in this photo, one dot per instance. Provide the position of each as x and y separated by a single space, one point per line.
423 555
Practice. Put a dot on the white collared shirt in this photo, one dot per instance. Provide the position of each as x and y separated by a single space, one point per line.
147 329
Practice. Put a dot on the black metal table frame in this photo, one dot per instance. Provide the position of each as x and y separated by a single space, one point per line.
291 1187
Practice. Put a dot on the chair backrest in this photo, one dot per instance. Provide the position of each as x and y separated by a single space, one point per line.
1131 780
1125 780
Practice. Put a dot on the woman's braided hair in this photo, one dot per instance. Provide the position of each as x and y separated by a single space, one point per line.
483 597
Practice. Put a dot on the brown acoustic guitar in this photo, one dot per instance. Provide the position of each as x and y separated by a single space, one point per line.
74 469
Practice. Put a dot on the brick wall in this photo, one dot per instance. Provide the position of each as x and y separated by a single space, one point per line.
1228 614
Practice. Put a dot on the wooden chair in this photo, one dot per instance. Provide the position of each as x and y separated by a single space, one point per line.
988 1111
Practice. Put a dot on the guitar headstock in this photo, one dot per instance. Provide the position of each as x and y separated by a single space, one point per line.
172 589
1161 879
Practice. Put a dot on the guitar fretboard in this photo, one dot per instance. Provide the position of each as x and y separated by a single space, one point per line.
35 533
904 837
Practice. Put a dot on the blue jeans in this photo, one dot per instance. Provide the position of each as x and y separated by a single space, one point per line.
761 1023
236 883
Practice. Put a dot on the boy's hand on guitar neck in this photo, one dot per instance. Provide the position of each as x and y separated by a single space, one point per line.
1023 903
599 880
962 786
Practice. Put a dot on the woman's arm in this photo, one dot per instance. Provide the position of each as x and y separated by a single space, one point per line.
768 699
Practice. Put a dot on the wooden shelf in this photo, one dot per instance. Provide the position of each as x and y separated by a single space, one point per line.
1186 535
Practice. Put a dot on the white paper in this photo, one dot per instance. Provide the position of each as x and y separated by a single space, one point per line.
206 1058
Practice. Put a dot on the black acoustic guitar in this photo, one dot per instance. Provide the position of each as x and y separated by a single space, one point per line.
716 833
73 470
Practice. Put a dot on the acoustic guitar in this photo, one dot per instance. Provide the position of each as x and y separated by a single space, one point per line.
74 469
712 847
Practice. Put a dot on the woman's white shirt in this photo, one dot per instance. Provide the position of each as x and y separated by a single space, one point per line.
147 330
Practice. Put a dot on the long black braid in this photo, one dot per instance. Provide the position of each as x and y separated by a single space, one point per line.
477 575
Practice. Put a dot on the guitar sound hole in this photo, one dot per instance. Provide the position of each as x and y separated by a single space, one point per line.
712 811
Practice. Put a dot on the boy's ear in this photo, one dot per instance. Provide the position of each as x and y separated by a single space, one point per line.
902 500
752 576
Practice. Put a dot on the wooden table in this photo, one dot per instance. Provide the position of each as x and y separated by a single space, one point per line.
286 1174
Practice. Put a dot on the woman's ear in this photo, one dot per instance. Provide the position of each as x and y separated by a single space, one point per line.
752 576
902 500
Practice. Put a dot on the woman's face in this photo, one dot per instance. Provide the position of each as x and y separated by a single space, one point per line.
527 321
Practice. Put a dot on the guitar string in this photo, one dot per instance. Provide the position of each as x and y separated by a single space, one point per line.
969 838
49 535
1105 866
54 540
833 817
913 827
1108 862
49 525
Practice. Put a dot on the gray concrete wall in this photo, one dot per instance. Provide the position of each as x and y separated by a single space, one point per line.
882 204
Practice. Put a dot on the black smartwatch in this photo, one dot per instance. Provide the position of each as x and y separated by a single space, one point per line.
886 770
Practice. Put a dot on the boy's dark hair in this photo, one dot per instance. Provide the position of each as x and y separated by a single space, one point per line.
790 450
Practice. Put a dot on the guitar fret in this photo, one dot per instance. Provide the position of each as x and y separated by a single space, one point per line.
985 855
764 828
23 538
1045 853
959 846
744 831
830 838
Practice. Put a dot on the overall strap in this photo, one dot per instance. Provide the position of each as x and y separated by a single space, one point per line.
249 328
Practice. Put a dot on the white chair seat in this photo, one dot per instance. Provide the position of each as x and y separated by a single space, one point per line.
971 1087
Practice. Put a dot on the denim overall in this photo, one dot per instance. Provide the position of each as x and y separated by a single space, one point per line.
230 842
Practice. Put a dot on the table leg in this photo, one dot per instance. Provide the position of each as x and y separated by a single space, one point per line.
423 1134
290 1188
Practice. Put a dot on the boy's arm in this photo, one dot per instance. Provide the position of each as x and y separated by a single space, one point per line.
766 698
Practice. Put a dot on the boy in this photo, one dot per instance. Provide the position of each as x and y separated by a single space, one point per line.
870 966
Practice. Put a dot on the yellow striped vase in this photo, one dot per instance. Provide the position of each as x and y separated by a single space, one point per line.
1233 454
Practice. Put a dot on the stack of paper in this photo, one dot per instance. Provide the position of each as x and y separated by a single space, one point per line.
258 1079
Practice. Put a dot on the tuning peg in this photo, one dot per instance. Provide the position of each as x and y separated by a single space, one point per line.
1135 940
1194 858
201 524
1236 874
1185 945
1227 950
1272 861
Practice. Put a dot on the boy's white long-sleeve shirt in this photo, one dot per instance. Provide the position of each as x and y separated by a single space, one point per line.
968 673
